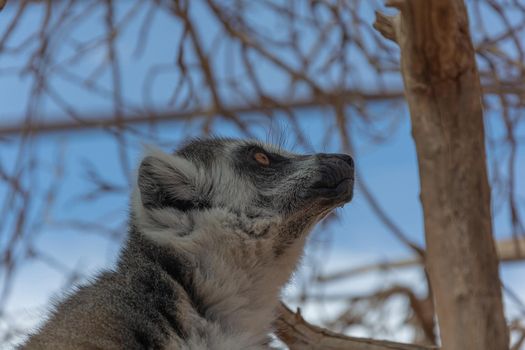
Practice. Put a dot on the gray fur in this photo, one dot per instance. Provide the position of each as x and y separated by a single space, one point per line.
213 238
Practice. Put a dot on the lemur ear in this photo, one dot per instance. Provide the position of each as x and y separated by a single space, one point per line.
167 181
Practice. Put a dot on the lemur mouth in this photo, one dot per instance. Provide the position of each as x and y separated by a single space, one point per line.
342 191
330 185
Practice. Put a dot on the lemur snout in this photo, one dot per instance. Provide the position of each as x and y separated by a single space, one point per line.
336 177
337 156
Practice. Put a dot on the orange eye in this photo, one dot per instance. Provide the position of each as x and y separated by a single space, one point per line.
261 158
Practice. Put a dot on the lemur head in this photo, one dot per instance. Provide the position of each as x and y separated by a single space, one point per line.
239 192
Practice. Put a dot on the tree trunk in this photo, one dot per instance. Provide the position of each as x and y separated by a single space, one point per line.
442 88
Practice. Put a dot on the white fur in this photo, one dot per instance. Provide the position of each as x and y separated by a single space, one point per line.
241 289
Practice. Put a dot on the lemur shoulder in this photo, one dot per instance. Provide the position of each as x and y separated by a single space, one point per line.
215 231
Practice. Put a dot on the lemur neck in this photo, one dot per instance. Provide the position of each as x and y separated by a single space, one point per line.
229 283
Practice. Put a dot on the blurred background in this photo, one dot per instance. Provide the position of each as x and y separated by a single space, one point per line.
84 85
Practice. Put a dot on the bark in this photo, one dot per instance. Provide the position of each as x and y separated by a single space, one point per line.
442 88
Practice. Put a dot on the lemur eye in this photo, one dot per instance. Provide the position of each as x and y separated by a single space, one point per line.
261 158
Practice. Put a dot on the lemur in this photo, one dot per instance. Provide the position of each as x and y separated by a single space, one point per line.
216 229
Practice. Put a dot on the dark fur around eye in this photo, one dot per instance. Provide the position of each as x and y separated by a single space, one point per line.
275 159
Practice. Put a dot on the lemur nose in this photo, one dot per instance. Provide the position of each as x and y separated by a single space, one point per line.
345 157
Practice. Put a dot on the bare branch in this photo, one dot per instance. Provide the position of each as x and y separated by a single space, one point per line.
508 251
299 334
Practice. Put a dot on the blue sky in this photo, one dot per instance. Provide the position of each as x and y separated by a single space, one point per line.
389 169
